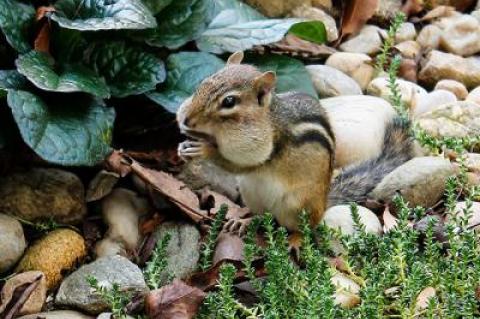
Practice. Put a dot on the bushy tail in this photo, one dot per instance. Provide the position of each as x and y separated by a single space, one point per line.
355 182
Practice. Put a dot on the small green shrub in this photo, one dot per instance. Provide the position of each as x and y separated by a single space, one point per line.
157 263
113 296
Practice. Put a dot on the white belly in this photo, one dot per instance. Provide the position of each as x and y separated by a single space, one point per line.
262 192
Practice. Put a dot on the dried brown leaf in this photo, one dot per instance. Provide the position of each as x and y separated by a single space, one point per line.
438 12
389 221
174 301
356 14
116 162
23 294
421 302
101 185
42 41
215 200
294 46
42 11
229 247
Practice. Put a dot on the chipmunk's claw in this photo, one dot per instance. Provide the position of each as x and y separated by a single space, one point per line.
237 225
294 244
192 149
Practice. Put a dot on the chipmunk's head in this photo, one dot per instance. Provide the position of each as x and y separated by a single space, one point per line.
231 110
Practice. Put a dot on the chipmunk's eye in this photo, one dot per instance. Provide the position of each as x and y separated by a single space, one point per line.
229 102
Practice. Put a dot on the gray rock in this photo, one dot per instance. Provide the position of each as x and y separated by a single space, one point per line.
380 87
453 86
421 181
183 250
406 32
409 49
368 41
12 242
423 103
457 119
76 292
429 37
330 82
43 193
358 66
58 314
474 96
440 66
461 35
386 10
474 212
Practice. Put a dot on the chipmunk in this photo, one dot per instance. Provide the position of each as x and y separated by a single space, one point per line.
281 146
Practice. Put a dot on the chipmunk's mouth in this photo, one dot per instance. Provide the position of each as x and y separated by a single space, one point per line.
197 135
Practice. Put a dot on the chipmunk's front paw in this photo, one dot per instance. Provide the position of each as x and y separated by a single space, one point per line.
237 225
193 149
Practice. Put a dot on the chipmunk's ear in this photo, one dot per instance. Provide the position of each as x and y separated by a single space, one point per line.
264 85
235 58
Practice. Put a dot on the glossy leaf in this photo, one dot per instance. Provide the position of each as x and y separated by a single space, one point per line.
41 70
185 72
76 132
16 19
313 31
11 79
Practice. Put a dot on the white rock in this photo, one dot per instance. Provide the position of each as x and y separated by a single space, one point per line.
406 32
461 36
359 123
457 119
340 217
312 13
423 103
359 66
121 211
12 242
474 220
474 96
347 291
453 86
380 87
330 82
421 181
440 65
368 41
429 37
473 162
409 49
58 314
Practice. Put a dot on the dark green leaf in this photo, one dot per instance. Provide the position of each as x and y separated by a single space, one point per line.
181 22
313 31
128 70
156 6
40 69
11 79
68 45
103 14
291 73
16 20
243 36
185 71
78 132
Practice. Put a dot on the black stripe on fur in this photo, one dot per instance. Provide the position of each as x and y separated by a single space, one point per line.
313 136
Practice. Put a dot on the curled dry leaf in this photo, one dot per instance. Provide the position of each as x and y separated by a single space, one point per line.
229 247
438 12
42 41
174 301
356 14
101 185
116 162
23 294
215 200
421 302
389 221
42 11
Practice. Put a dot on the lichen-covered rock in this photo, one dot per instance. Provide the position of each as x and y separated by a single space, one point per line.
43 193
358 122
380 87
440 65
12 242
456 119
421 181
76 292
368 41
358 66
54 254
453 86
183 250
330 82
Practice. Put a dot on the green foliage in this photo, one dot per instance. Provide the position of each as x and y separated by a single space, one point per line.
43 226
313 31
113 296
208 247
385 52
16 21
11 79
157 263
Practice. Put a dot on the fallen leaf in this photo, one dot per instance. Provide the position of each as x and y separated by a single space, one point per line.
42 11
101 185
229 247
149 225
389 221
421 302
116 162
438 12
412 7
23 294
42 41
356 14
174 301
213 200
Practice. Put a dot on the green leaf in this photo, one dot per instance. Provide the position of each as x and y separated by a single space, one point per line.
128 70
76 132
156 6
230 12
11 79
16 19
69 45
181 22
95 15
185 72
244 36
41 70
291 73
313 31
